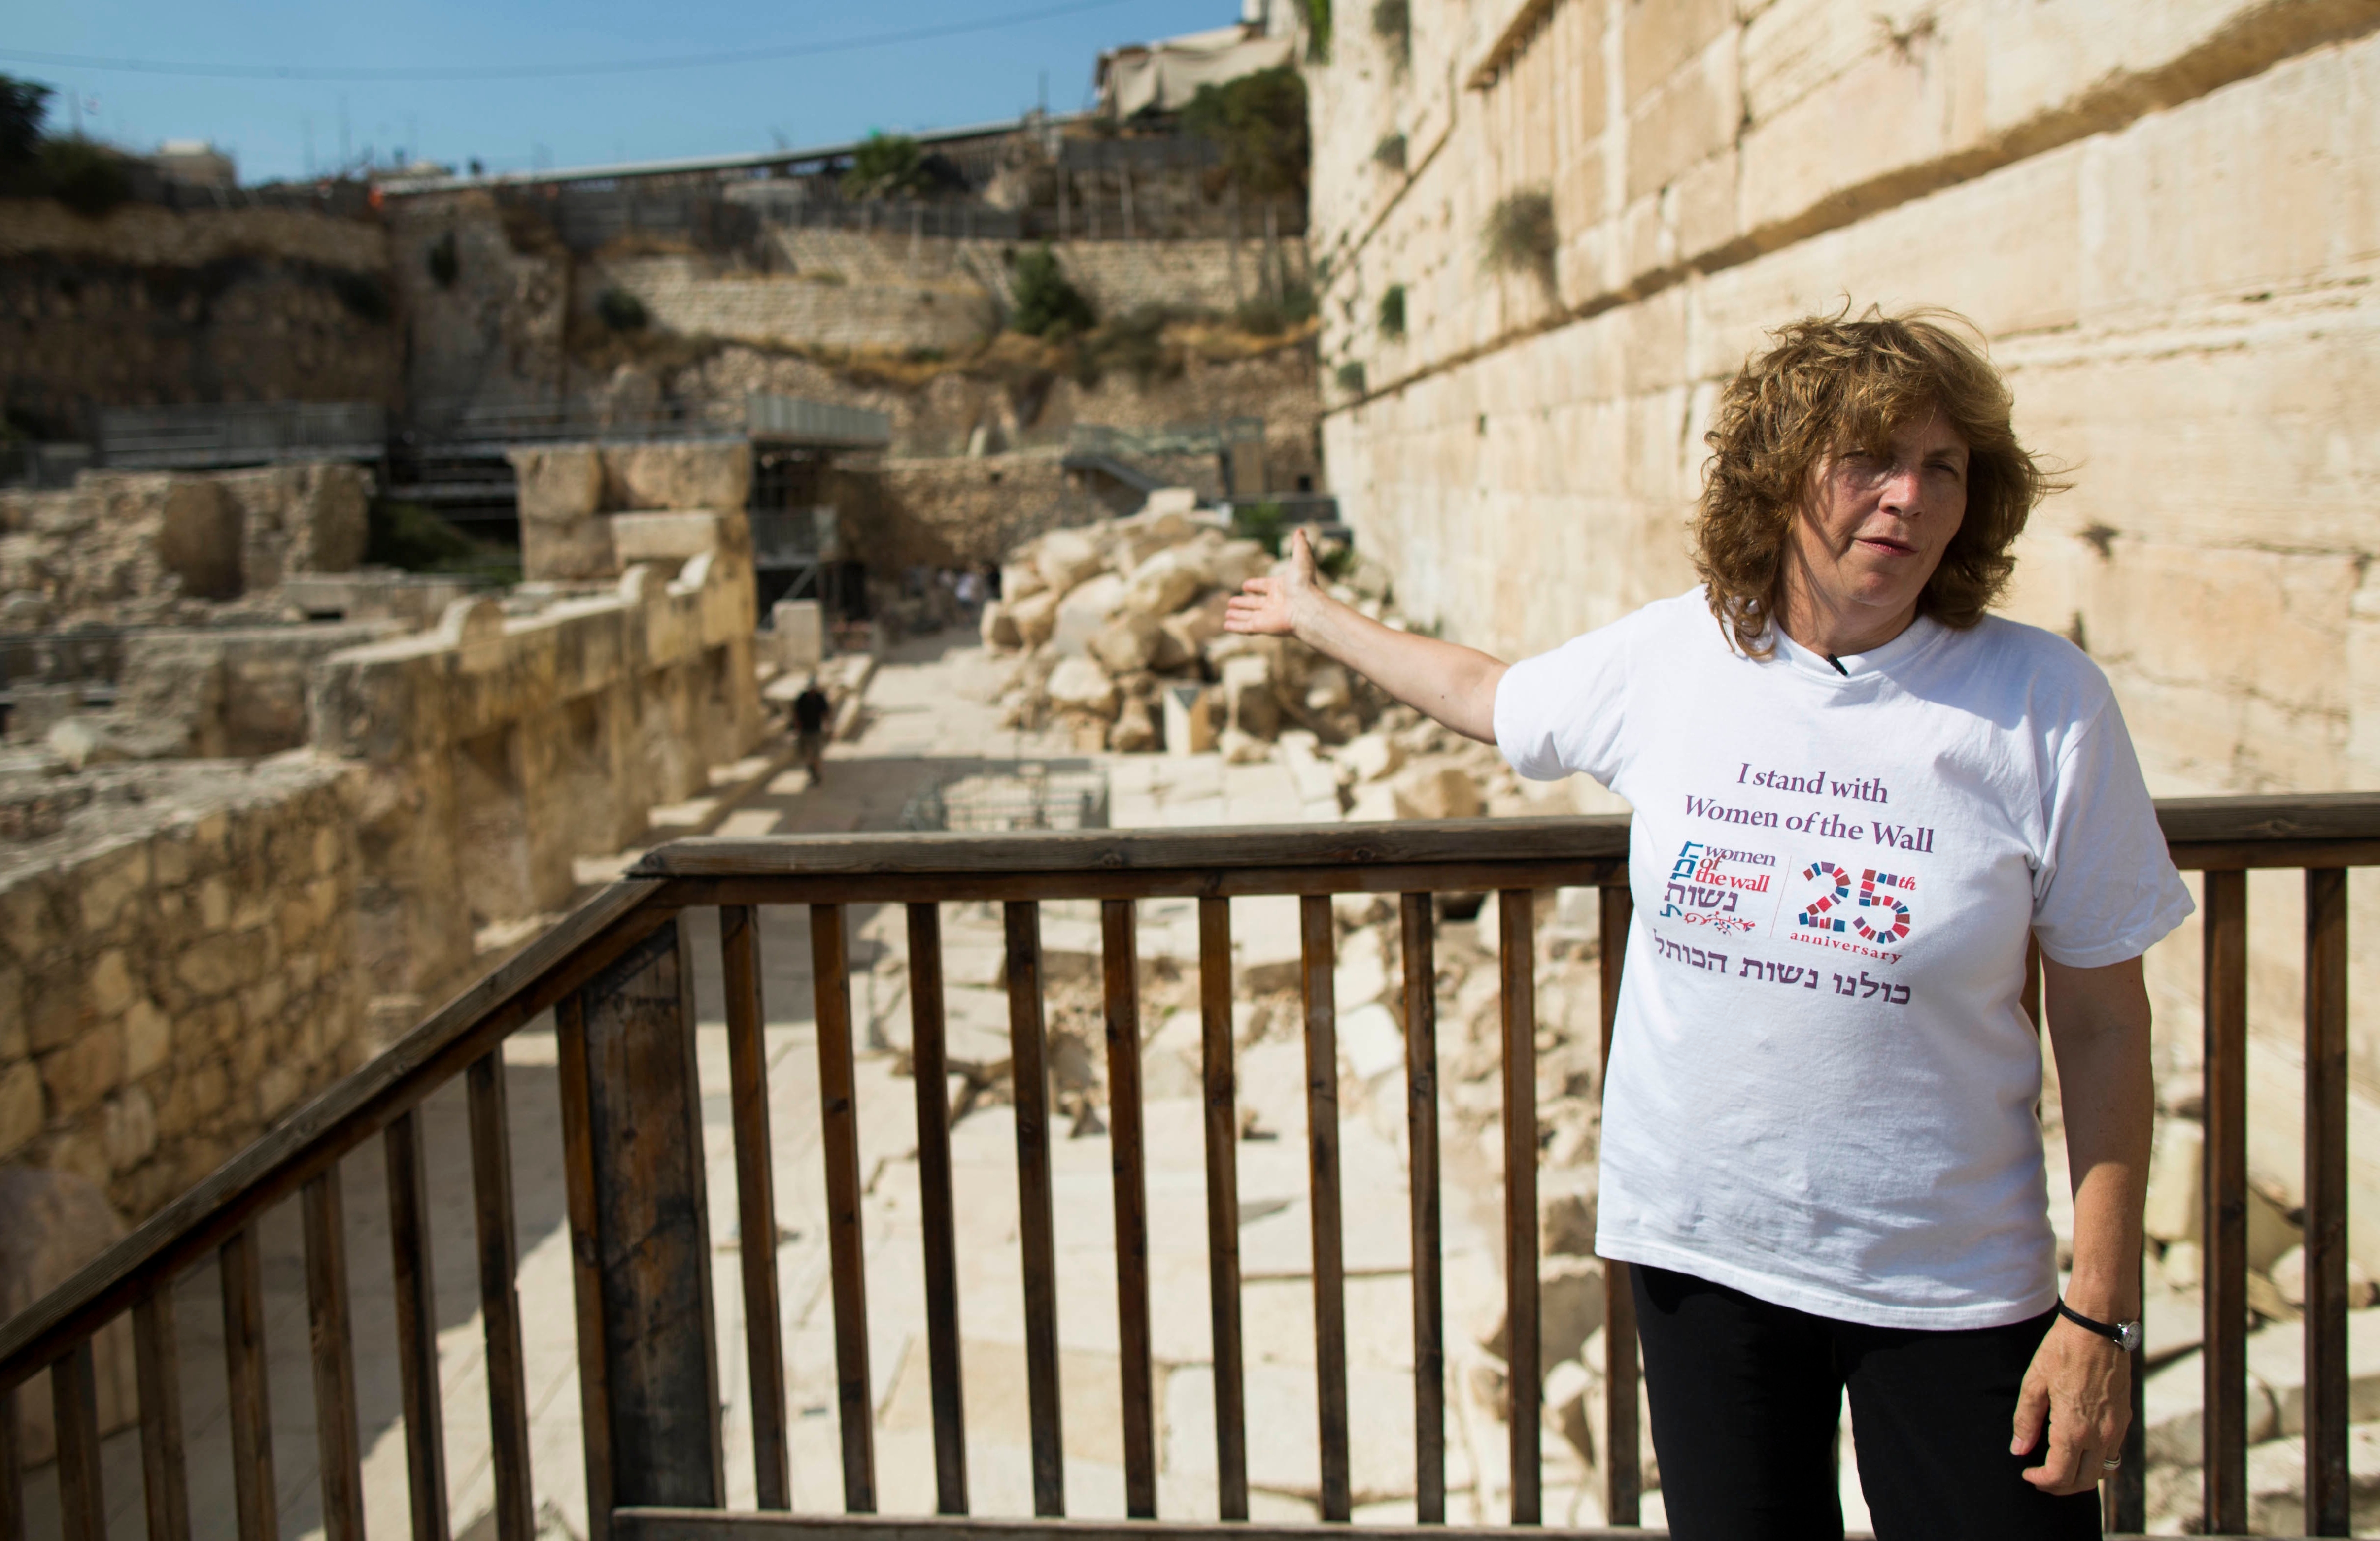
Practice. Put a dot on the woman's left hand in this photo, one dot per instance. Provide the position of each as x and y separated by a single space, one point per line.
2082 1384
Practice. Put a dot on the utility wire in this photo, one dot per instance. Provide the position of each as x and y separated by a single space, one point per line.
541 72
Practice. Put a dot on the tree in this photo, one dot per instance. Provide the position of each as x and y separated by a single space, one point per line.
890 165
23 104
1258 122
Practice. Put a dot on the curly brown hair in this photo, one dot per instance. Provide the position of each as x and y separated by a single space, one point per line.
1831 385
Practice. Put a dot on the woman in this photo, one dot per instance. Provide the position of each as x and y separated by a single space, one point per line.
1856 797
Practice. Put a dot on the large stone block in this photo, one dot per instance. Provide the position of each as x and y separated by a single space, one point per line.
715 474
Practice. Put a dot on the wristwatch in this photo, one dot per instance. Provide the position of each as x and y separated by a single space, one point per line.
2124 1335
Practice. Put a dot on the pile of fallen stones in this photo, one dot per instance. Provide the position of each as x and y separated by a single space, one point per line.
1118 630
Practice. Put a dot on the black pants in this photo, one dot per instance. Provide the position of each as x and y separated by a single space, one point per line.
1747 1398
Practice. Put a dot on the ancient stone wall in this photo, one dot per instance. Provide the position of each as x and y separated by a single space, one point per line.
145 307
175 963
698 298
129 546
2162 216
498 748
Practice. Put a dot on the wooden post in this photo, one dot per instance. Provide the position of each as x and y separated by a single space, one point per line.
652 1231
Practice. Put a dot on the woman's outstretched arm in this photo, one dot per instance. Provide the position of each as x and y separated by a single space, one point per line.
1455 685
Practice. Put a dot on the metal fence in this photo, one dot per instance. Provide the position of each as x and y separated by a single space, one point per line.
241 433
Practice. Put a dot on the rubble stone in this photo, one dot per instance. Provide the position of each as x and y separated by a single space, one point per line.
1434 792
1036 617
1168 581
1065 558
1080 684
1130 644
1371 757
1083 612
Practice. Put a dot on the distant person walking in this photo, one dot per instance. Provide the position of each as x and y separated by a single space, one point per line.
1858 797
812 709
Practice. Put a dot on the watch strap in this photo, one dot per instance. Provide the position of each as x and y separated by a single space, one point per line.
2113 1332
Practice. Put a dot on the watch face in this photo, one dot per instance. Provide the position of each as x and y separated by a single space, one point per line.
2128 1337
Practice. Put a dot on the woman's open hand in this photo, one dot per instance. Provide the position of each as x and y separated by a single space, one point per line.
1271 606
2080 1384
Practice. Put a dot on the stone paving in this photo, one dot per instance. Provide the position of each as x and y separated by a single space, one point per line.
929 718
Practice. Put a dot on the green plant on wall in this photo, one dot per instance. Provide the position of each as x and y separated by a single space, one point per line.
621 310
1047 304
1351 376
1390 153
1317 29
1392 311
1392 25
1519 236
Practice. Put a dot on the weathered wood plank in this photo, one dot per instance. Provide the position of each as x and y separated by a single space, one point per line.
1120 970
339 1453
74 1406
803 887
1318 940
491 1211
2328 1493
686 1525
2326 816
755 1205
417 1325
1037 1230
1418 937
847 1258
2225 1356
353 1109
165 1476
1623 1466
1516 948
246 1390
580 1204
1243 847
929 1065
1222 1133
652 1231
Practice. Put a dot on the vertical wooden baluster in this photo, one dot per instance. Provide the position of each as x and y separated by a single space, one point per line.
2030 996
491 1194
586 1273
74 1404
831 976
929 1069
12 1468
1223 1203
250 1404
628 1069
756 1203
2328 1492
417 1327
1621 1472
165 1476
1030 1075
1318 958
1517 952
1120 969
339 1452
1420 948
2225 1265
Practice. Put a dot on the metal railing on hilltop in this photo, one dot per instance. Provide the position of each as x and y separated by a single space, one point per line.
617 972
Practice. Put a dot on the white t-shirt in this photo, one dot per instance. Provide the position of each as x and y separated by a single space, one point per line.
1822 1080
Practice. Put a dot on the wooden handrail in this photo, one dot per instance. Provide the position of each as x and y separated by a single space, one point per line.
622 957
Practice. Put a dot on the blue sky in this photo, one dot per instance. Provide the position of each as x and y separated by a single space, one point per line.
720 108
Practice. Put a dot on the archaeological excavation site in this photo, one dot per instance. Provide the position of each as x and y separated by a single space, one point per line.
648 891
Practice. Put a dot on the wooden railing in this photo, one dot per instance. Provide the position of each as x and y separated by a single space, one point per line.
618 975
